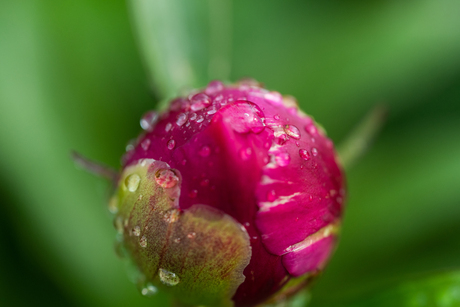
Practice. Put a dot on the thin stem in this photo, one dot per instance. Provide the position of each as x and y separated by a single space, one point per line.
362 136
94 167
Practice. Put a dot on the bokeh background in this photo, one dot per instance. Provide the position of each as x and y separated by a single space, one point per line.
79 74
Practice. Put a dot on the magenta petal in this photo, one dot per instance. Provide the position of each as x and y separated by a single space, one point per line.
253 155
298 197
309 258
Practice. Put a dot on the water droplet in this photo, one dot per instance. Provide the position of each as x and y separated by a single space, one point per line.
297 144
146 144
171 216
177 240
214 87
168 278
166 178
137 231
304 154
271 195
282 139
119 225
274 97
149 290
244 117
130 145
143 241
191 235
204 182
204 151
149 120
200 119
192 116
310 128
212 110
292 131
177 104
171 144
277 117
246 153
132 182
168 127
200 101
314 152
181 119
193 193
113 205
283 159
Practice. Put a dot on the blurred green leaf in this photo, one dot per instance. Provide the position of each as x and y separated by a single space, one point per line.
441 290
185 43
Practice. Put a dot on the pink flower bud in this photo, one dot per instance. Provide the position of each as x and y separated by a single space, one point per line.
232 194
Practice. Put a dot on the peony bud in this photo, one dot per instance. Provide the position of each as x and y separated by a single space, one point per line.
231 197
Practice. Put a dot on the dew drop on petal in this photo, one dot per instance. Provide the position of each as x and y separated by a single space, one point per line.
304 154
193 194
310 128
168 127
192 116
282 139
214 87
171 144
166 178
146 144
271 195
200 119
212 110
204 151
274 97
143 241
245 153
277 117
244 117
200 101
132 182
314 152
181 119
149 120
282 159
292 131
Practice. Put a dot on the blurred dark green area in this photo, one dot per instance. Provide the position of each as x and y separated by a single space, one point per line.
72 76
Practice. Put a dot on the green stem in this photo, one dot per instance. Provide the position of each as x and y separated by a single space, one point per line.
362 136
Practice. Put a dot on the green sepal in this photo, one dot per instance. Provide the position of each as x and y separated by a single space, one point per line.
197 254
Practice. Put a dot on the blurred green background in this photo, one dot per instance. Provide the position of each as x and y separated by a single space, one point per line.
79 74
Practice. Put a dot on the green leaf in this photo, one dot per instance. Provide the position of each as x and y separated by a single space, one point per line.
441 290
185 43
